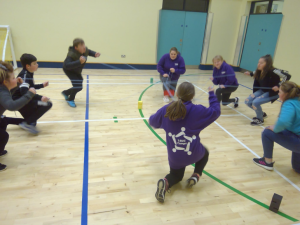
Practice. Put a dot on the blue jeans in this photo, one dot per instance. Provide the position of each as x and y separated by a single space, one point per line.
255 100
286 139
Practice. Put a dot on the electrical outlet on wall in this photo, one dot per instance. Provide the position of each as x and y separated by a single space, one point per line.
123 56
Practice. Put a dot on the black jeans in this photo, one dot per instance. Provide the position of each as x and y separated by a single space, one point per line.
223 94
76 80
32 112
4 136
176 176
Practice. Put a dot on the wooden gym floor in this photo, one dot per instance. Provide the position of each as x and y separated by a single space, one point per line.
45 182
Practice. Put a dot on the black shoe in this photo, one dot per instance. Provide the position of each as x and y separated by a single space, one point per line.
236 103
262 163
161 190
257 122
264 116
2 167
193 180
3 153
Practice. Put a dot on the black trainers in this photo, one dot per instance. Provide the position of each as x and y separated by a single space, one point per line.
161 190
3 153
2 167
193 180
264 116
262 163
236 103
257 122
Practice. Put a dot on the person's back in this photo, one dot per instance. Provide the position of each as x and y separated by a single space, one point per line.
183 121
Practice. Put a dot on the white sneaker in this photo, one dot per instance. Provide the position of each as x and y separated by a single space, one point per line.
166 99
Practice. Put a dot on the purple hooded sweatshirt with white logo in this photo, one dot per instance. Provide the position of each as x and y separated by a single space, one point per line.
166 63
225 76
183 141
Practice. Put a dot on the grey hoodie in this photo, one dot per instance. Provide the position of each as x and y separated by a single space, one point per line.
7 103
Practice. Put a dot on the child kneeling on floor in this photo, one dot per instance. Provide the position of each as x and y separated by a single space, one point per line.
183 121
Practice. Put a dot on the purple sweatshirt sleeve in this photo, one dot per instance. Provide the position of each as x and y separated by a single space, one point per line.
160 65
212 112
156 119
181 67
230 79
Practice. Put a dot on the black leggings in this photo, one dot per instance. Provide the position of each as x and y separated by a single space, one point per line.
176 176
76 80
223 94
32 112
4 136
166 81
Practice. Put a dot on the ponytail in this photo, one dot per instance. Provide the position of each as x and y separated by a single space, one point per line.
5 69
291 89
176 110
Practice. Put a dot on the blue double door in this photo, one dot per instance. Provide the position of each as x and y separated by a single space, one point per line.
261 39
183 30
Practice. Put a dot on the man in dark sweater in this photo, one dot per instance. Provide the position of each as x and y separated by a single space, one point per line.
38 105
73 65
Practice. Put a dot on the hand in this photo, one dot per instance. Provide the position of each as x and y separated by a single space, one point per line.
275 88
270 127
165 75
211 78
46 83
97 54
222 86
32 90
45 99
210 88
82 59
20 80
172 70
247 73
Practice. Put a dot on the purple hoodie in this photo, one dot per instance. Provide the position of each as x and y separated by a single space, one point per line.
166 63
183 141
221 78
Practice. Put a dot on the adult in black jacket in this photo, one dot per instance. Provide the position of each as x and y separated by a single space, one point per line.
73 65
265 88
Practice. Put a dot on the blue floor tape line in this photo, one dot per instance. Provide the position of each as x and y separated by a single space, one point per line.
84 206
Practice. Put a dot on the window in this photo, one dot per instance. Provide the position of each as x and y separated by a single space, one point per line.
263 7
186 5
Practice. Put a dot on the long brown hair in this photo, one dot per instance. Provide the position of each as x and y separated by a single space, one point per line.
260 74
176 110
5 69
291 89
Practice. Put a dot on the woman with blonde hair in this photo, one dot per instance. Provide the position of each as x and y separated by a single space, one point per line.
286 131
224 76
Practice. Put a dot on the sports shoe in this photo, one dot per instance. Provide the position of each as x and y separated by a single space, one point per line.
3 153
161 190
193 180
65 96
262 163
31 129
166 99
71 104
236 103
2 167
264 116
257 122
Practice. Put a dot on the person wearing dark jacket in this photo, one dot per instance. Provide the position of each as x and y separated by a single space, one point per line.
8 84
265 88
38 105
170 67
73 65
224 76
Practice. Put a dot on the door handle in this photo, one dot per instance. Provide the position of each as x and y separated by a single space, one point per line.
180 40
259 43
